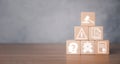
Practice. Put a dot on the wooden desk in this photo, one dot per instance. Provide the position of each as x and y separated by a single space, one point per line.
52 54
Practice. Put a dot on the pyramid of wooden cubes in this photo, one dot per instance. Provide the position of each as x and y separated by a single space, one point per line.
88 38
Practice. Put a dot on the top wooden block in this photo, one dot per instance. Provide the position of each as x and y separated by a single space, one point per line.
88 18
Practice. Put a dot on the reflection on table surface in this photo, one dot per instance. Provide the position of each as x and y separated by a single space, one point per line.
87 59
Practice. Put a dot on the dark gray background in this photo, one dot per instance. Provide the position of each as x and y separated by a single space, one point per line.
53 21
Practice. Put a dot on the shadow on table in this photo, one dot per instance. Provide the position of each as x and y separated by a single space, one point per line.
114 51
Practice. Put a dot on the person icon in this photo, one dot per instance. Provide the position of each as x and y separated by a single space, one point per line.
73 48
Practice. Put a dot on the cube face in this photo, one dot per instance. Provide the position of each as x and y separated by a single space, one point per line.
72 47
103 47
88 47
96 33
81 33
88 18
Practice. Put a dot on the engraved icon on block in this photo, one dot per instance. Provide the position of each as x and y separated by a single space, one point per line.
72 47
87 47
87 18
96 33
81 33
103 47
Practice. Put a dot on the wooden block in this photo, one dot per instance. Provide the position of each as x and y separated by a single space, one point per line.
72 47
88 18
88 47
96 33
80 33
103 47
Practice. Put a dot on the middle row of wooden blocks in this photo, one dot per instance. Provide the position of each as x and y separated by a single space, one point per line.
88 33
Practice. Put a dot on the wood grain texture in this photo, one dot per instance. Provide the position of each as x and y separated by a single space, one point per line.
52 54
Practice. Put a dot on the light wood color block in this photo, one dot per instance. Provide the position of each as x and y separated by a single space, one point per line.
88 18
80 33
103 47
88 47
96 33
72 47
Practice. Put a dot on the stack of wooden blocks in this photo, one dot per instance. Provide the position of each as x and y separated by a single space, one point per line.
88 38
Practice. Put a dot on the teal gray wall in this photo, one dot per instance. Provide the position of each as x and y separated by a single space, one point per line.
53 21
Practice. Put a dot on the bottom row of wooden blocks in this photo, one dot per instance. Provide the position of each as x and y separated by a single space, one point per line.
87 47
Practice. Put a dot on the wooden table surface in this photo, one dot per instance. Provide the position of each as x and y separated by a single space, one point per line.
52 54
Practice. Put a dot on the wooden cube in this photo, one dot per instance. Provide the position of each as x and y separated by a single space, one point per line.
96 33
88 47
72 47
103 47
80 33
88 18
